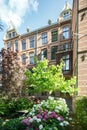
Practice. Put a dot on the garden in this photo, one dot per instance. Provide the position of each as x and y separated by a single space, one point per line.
30 112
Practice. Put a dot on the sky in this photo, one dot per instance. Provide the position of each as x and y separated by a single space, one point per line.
32 14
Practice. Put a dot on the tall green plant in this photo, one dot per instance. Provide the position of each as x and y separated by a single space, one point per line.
81 111
46 78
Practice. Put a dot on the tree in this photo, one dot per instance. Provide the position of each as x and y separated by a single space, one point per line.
44 78
12 74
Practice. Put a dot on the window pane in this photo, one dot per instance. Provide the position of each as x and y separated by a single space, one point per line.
66 60
31 58
16 45
67 64
54 35
9 35
13 34
23 45
8 46
44 38
53 52
32 42
66 46
23 58
44 54
65 33
66 16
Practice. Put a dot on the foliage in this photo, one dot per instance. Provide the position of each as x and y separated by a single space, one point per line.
10 107
50 114
1 123
3 107
46 78
81 111
19 104
13 124
12 74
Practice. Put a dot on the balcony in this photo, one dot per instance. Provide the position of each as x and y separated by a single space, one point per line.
65 48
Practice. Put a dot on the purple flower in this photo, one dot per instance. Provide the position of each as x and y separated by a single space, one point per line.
60 118
25 121
53 115
39 116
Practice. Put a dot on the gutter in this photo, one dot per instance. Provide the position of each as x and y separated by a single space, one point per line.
76 43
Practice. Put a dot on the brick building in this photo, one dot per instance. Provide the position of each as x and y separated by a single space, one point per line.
52 42
64 39
79 30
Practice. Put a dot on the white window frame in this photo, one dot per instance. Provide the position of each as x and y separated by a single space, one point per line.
32 42
31 57
44 38
65 32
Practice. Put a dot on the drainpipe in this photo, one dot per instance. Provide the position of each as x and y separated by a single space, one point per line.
77 43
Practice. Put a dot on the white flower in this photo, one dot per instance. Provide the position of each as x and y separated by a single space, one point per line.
38 120
51 98
59 118
33 110
34 118
40 127
35 106
66 123
31 120
70 119
49 112
61 124
56 110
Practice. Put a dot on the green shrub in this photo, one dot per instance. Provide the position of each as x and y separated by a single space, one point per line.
50 114
19 104
1 123
13 124
81 111
11 106
3 107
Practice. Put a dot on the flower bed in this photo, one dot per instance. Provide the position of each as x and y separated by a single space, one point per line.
50 114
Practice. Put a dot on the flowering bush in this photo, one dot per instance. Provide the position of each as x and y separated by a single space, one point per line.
51 114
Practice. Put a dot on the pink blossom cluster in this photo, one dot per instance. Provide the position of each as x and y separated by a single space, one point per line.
42 117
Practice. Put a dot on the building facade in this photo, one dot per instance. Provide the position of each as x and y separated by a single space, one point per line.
65 39
52 42
79 31
0 69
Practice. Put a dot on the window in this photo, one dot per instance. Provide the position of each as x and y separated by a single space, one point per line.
9 35
8 46
44 54
23 45
66 59
44 38
16 45
31 58
31 42
0 68
66 15
65 32
65 46
23 58
53 52
13 34
54 35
